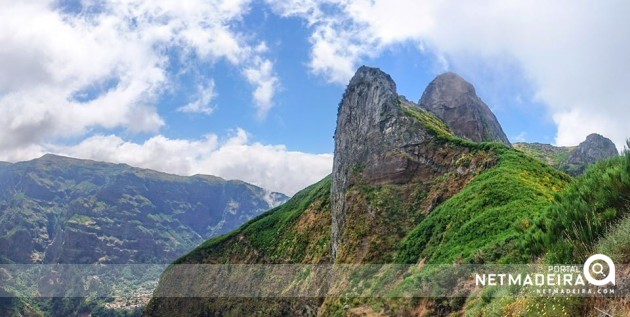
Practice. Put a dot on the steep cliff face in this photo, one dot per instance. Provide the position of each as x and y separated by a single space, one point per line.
455 101
382 139
371 130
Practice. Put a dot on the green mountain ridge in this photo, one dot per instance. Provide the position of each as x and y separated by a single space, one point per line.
556 156
488 203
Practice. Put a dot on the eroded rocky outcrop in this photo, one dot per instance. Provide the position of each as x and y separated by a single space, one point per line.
595 148
370 130
455 101
572 159
381 139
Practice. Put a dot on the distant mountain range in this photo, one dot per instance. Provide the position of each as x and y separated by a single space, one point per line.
63 210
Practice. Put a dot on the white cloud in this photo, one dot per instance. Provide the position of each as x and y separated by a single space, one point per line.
50 59
205 95
260 74
574 54
338 41
66 73
335 52
272 167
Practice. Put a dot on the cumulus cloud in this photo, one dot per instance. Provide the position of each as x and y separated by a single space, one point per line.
272 167
71 69
48 62
67 70
260 74
574 54
103 65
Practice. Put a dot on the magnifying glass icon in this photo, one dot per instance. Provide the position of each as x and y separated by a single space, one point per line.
597 268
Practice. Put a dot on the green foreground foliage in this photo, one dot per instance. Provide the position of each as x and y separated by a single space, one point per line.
585 212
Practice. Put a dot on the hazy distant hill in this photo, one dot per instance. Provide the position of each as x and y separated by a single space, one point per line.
62 210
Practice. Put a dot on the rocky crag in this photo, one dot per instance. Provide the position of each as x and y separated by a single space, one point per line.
396 164
572 159
595 148
455 101
382 138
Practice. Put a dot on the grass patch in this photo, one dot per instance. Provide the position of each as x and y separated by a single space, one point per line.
487 219
616 243
428 120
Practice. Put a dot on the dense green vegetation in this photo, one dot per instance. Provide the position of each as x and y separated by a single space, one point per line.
592 215
484 221
616 242
585 212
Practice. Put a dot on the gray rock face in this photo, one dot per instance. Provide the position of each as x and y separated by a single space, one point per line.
378 143
455 101
368 107
596 147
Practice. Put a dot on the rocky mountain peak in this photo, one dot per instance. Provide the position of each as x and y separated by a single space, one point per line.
372 75
448 86
381 139
596 147
454 100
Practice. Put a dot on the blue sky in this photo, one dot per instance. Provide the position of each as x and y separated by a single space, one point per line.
249 89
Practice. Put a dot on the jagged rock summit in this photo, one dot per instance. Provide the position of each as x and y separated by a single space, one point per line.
596 147
382 138
454 100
